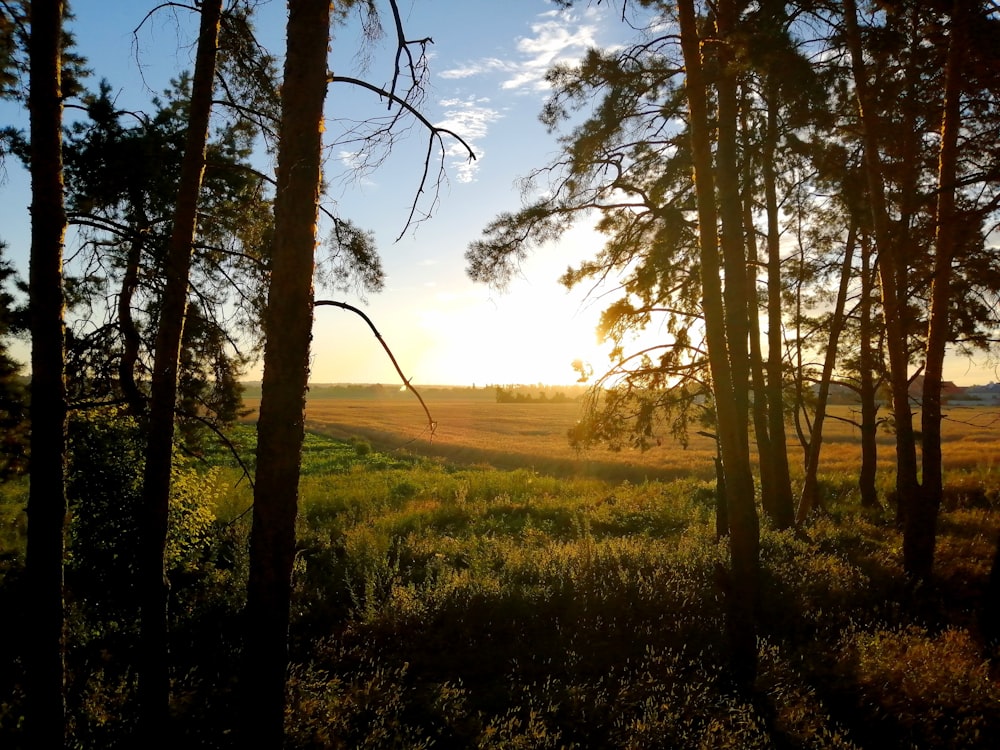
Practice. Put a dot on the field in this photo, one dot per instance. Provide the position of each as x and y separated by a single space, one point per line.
488 588
475 429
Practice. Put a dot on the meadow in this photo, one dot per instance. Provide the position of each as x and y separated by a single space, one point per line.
488 587
473 427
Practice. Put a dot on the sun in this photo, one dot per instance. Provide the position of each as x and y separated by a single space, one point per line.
519 344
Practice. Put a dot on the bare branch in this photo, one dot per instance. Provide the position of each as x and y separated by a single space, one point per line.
407 106
403 47
435 134
224 439
344 306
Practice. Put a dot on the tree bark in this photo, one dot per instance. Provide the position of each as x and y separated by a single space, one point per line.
45 718
154 674
741 586
920 526
287 329
759 409
131 341
768 491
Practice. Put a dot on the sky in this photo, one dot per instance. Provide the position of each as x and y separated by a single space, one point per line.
487 66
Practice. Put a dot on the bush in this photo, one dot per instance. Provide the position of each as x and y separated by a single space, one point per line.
104 491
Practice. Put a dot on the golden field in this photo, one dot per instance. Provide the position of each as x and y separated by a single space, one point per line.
475 429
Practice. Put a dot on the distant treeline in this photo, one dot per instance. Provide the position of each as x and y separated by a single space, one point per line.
513 393
520 394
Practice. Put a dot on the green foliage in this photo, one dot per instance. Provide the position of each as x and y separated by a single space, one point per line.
121 173
13 385
13 521
104 490
439 606
204 561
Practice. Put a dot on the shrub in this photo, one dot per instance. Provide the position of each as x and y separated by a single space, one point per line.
934 689
104 490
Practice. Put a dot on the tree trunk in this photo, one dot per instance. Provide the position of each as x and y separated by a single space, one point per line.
768 491
741 586
891 270
809 498
734 256
45 717
919 530
783 514
287 329
867 387
131 341
154 675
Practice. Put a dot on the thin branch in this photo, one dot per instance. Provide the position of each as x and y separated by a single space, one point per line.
403 46
435 133
225 441
405 105
344 306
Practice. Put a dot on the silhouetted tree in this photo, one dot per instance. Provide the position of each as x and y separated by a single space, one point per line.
154 675
13 391
287 332
47 495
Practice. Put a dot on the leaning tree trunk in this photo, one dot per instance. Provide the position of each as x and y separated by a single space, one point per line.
287 330
809 497
45 722
154 675
742 580
920 526
131 340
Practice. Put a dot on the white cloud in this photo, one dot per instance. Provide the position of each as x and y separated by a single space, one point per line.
553 41
469 118
479 67
556 37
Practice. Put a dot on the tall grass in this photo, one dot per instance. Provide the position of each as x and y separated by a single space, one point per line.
448 606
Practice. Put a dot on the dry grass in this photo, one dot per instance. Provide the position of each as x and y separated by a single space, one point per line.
482 431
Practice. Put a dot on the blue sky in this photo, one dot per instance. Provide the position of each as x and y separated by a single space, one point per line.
486 83
487 66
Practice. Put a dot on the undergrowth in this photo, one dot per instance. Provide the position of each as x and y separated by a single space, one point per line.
453 607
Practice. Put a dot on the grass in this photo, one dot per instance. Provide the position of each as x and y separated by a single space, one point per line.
448 605
475 430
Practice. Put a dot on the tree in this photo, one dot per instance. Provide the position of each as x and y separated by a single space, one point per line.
13 393
725 317
892 267
47 495
647 161
809 497
154 677
123 172
287 332
927 213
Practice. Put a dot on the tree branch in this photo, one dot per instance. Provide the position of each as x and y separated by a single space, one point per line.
344 306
